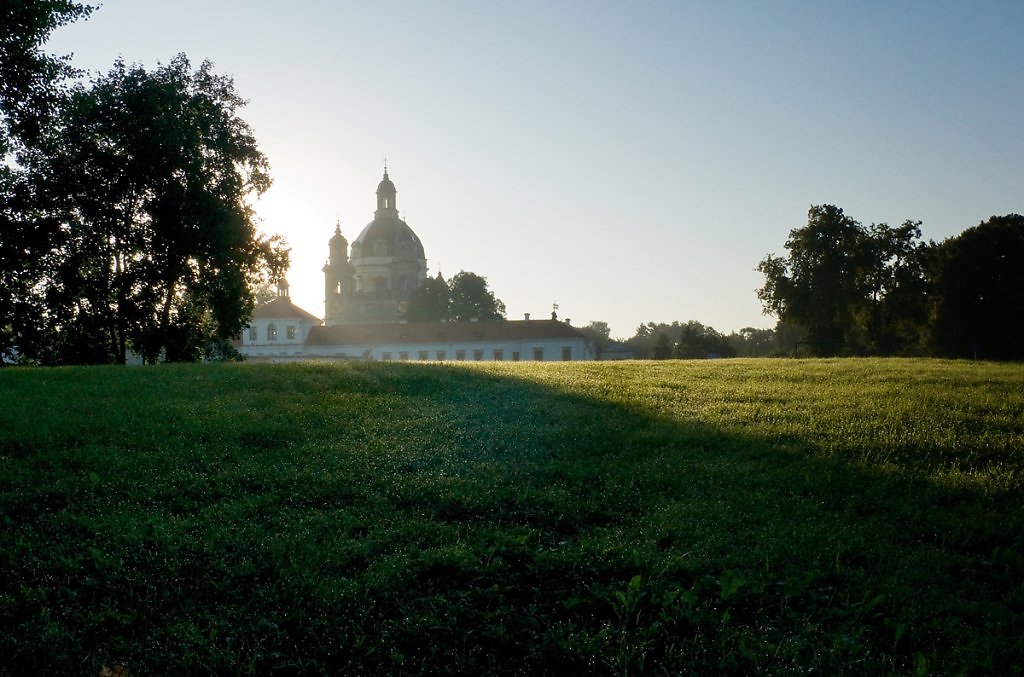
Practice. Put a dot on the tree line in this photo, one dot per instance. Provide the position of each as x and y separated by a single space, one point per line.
687 340
125 221
849 289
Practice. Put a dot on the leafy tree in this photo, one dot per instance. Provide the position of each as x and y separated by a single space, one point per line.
31 86
30 78
430 302
599 334
662 348
465 297
471 299
698 341
149 239
977 287
896 311
849 289
820 285
754 342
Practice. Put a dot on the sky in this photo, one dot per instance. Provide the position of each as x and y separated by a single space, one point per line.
630 161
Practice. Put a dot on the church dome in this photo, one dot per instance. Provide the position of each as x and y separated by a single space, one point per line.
388 235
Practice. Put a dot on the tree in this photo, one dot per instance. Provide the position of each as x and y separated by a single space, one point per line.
430 302
464 298
977 287
471 299
819 285
754 342
896 311
599 335
150 242
30 78
847 288
31 85
697 341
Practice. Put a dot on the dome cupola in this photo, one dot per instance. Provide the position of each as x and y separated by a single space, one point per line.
386 194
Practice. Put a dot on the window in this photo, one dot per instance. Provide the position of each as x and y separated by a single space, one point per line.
253 334
478 355
515 355
566 354
403 356
386 356
290 333
424 356
460 355
499 355
441 355
271 332
538 354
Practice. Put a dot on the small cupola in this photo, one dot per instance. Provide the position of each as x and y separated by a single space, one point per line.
386 194
338 244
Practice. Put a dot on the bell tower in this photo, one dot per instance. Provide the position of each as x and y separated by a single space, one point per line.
338 278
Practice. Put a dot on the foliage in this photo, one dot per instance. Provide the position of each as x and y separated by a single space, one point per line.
471 299
143 236
736 516
978 284
29 78
430 302
686 340
851 289
756 342
697 341
465 297
599 334
31 83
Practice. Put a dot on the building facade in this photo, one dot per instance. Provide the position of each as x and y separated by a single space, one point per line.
386 263
366 286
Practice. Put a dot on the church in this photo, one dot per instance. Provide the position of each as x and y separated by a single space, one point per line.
366 288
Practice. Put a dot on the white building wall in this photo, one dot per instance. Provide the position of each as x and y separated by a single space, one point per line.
256 344
552 351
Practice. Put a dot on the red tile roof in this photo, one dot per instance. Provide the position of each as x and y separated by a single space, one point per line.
440 332
282 307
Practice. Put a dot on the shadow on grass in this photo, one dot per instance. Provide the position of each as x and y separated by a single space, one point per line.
433 518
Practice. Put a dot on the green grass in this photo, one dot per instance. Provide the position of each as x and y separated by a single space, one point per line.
747 516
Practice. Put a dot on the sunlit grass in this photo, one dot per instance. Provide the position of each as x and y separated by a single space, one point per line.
740 516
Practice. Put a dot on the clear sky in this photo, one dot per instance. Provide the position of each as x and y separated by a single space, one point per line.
632 161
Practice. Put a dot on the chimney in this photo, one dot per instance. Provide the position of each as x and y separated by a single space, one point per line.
526 316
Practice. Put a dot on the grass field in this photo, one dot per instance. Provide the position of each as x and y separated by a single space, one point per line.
745 516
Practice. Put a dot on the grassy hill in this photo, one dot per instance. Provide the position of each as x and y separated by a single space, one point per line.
847 516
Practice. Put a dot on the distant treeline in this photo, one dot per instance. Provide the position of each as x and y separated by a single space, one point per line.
688 340
850 289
